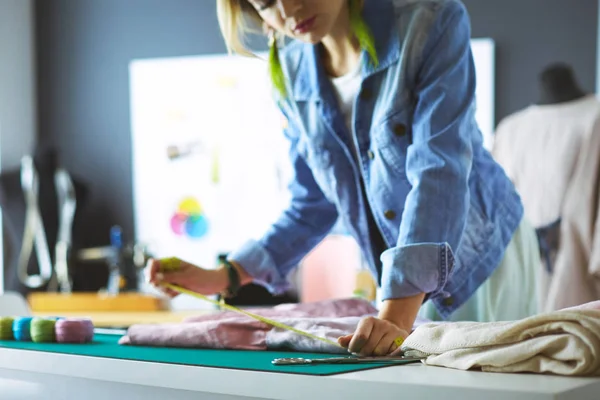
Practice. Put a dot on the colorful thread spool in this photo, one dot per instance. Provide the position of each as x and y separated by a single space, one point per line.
22 329
42 330
6 328
71 330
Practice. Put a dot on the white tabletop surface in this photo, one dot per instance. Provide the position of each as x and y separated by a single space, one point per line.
36 375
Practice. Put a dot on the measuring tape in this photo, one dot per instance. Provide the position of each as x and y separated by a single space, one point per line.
172 264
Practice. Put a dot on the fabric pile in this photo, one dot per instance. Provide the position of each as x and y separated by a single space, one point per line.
564 342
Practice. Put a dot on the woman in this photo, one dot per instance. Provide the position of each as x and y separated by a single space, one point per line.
379 99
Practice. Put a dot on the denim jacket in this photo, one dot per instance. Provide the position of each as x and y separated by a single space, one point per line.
444 208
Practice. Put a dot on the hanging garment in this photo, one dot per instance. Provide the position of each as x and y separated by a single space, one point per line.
565 342
539 147
575 277
542 149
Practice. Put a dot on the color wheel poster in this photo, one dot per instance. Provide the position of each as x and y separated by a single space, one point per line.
210 166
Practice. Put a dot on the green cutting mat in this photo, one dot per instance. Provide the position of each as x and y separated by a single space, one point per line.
107 346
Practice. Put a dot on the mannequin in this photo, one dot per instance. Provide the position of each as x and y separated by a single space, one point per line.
540 148
558 85
12 201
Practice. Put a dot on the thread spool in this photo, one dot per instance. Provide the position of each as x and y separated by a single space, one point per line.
22 329
74 330
43 330
6 328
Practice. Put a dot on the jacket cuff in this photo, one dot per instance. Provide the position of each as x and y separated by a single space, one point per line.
258 263
414 269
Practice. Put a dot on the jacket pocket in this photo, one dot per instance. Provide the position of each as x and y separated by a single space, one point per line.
391 139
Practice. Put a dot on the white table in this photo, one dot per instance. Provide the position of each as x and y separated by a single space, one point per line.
39 375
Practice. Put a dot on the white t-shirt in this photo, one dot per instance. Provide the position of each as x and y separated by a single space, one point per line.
346 88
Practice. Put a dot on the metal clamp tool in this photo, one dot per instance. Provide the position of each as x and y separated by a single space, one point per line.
67 204
34 230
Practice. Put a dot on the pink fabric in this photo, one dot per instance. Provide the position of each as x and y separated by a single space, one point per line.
230 330
239 334
592 305
351 307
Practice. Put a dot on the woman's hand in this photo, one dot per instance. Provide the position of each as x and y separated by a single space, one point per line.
188 276
373 337
377 336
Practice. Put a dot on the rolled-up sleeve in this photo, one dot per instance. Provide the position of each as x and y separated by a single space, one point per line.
438 162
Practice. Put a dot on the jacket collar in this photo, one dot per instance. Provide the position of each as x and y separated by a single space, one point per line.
310 78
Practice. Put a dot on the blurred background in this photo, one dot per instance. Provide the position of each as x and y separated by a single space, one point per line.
113 108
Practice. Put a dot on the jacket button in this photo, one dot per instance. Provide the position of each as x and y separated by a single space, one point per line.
389 214
366 94
448 301
370 154
399 130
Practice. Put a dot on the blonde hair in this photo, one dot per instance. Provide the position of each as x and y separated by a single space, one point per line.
235 21
235 18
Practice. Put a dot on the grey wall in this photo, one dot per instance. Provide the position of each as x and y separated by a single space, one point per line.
529 35
598 55
84 47
17 84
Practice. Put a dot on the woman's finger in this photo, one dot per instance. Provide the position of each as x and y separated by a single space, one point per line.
387 343
380 328
361 335
171 293
166 291
344 341
152 267
180 278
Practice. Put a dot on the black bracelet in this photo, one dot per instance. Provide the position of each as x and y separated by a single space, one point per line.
234 279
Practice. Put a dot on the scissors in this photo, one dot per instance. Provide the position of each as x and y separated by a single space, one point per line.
346 360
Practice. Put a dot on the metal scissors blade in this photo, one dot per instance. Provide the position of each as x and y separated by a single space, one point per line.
346 360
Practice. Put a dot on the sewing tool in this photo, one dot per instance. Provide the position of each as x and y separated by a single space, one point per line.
72 330
67 204
173 264
6 328
346 360
42 330
47 329
34 230
22 329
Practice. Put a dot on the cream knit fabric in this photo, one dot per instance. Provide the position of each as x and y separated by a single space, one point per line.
563 342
